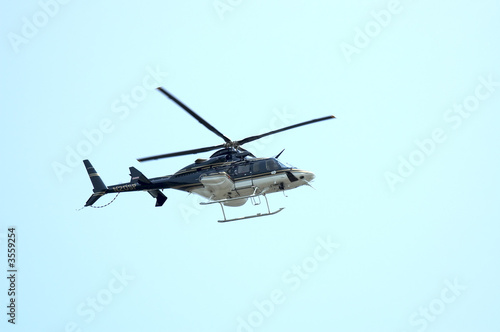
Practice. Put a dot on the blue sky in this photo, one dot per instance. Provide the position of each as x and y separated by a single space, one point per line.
401 233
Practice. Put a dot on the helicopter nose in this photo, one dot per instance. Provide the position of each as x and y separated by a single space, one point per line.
312 176
306 176
309 176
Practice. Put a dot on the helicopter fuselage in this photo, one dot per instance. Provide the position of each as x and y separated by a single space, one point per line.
230 177
220 179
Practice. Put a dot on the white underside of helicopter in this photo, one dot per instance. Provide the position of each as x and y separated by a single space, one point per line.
220 188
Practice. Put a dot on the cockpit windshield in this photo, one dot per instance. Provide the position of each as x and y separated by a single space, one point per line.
285 165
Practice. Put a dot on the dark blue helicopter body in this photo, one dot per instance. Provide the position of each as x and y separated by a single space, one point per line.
231 176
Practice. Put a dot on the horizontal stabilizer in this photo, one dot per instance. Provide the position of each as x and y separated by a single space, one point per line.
160 197
93 199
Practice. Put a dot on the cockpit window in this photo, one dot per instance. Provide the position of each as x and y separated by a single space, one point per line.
267 165
272 165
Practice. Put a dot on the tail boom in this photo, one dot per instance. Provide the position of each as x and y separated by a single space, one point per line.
138 182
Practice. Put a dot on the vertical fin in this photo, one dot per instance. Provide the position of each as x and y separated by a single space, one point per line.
99 186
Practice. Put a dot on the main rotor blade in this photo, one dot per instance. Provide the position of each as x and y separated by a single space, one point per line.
253 138
181 153
194 115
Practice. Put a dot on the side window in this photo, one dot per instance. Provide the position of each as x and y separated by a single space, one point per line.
243 169
232 171
259 167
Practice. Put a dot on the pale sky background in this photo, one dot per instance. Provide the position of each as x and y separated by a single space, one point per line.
411 248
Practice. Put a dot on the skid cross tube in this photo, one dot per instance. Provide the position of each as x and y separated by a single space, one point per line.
221 202
269 213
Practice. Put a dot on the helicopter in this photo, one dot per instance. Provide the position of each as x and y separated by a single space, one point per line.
230 177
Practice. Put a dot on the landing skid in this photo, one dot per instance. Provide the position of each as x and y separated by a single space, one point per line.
249 217
221 202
